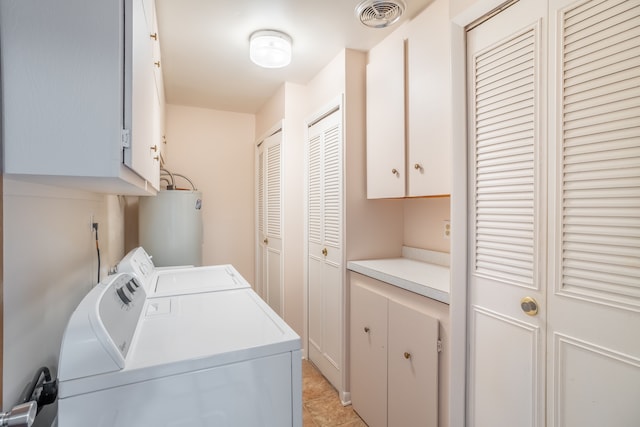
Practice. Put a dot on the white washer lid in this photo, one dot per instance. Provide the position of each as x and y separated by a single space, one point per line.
185 333
178 281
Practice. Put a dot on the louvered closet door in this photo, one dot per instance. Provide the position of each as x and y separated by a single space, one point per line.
270 221
325 265
506 219
594 285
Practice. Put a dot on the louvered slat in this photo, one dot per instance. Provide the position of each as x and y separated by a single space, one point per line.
505 160
601 151
315 191
332 187
273 191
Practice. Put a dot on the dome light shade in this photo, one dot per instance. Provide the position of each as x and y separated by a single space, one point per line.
270 49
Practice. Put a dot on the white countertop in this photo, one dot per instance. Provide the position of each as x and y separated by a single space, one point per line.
423 278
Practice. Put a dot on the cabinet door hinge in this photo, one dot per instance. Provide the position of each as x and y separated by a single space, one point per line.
126 138
439 346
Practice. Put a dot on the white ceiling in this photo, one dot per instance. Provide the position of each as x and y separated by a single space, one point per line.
205 46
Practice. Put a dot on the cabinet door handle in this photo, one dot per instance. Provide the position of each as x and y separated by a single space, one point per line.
407 355
417 166
366 329
157 158
265 241
157 64
324 252
154 148
154 36
394 171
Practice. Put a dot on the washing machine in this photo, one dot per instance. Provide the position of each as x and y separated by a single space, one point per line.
165 281
206 359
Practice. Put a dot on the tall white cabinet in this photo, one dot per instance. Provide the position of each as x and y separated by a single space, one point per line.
325 212
78 94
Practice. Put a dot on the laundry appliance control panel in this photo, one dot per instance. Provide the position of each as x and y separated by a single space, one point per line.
100 331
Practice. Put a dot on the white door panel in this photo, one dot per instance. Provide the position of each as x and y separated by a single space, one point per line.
505 363
594 274
270 282
506 93
324 246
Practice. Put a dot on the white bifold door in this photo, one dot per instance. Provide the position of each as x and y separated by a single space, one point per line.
269 263
554 218
325 246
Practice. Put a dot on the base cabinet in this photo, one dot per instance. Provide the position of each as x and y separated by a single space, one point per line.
394 359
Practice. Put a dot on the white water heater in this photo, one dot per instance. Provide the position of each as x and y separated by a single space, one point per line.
170 227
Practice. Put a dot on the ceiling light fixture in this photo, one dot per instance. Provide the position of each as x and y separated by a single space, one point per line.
270 48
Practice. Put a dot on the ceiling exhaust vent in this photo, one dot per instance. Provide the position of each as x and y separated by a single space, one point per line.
379 13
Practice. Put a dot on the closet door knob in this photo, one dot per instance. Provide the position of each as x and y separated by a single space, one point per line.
417 166
394 171
529 306
324 252
265 241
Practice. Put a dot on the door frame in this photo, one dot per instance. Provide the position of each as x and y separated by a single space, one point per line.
460 19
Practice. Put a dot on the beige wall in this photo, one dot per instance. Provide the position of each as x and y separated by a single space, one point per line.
424 223
293 212
215 150
50 263
271 113
466 11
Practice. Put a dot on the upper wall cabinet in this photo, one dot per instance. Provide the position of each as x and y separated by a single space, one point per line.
409 109
78 94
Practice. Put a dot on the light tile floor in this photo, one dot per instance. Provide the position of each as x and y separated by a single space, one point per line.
321 406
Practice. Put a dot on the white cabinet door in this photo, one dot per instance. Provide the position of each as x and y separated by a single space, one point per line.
386 119
143 155
409 109
429 102
369 355
269 199
412 367
325 243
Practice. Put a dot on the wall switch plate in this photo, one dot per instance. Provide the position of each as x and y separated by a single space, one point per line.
447 229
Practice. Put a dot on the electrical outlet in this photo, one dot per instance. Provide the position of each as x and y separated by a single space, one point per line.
447 229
